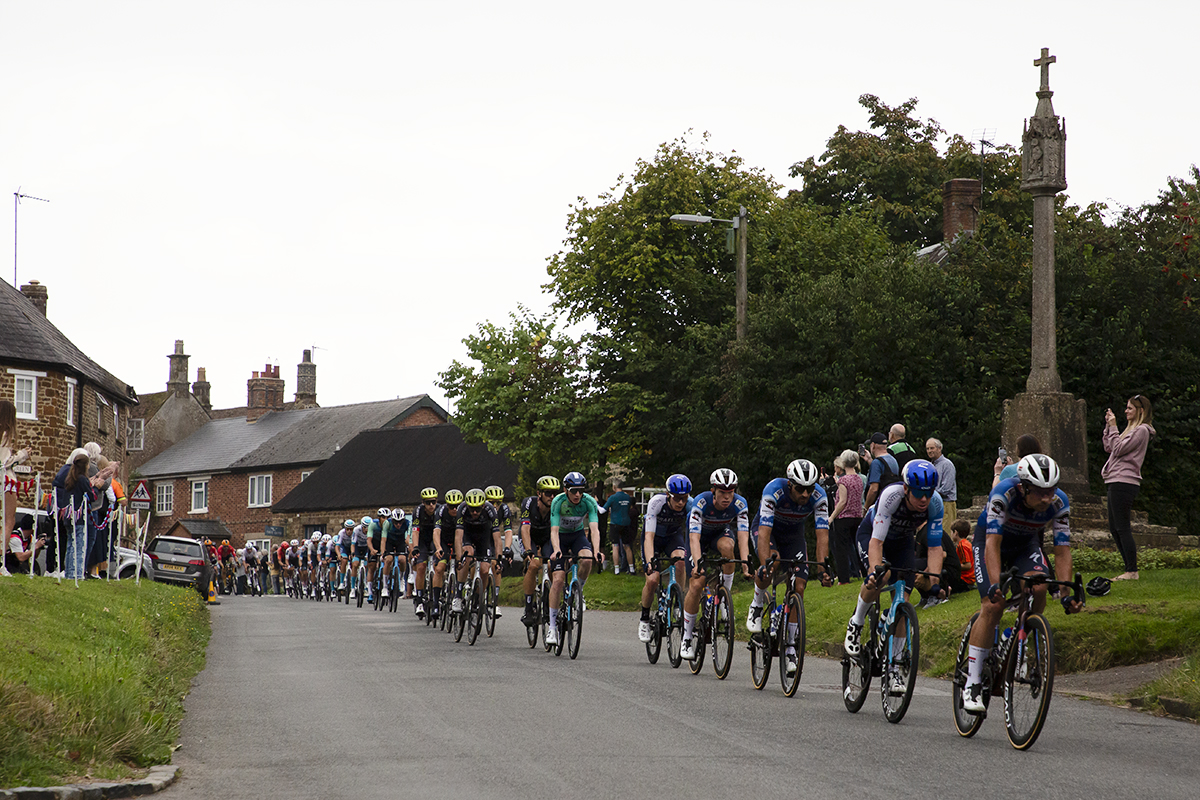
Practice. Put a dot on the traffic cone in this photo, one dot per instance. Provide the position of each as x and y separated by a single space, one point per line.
212 593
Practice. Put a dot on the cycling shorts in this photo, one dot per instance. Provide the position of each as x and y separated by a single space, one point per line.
481 543
344 551
361 551
573 543
791 544
900 552
394 546
1024 553
666 545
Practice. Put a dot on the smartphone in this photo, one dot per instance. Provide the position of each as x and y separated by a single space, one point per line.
1003 455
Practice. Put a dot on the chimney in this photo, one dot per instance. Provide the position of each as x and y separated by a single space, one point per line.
202 390
177 380
37 294
960 208
306 382
265 392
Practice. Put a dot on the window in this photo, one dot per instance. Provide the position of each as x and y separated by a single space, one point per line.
101 404
260 491
199 496
304 475
71 401
116 420
25 392
164 498
137 434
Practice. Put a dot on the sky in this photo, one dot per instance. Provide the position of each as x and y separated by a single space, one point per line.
376 179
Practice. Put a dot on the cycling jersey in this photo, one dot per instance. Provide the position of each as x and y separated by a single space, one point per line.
893 519
343 541
359 535
706 520
478 526
1006 514
662 520
504 516
779 512
571 517
424 522
378 529
537 520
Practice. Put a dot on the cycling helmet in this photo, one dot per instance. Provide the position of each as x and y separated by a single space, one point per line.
224 541
398 513
494 493
429 493
574 480
1098 586
326 539
366 520
454 497
384 513
316 537
348 524
294 543
920 475
802 472
723 479
548 483
1038 469
476 498
679 484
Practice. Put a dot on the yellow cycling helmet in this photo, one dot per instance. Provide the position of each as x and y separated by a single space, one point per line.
494 493
549 483
454 497
429 493
476 498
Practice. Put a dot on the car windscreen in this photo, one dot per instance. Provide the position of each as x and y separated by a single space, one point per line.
188 549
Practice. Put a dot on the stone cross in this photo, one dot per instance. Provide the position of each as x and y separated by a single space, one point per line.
1044 62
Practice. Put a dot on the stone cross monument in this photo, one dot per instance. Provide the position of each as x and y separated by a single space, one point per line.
1056 418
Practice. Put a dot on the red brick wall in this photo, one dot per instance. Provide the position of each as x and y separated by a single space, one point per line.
421 417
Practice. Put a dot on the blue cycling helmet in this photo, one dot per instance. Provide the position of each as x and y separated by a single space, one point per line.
920 475
679 484
574 480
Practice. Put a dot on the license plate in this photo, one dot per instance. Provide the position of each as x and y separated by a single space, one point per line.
173 568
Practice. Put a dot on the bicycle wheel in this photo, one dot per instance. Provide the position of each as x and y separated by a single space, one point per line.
1028 683
674 627
760 658
794 610
449 592
545 614
360 590
654 646
563 622
722 633
531 631
966 723
376 594
473 605
701 633
901 654
489 605
575 631
395 590
459 621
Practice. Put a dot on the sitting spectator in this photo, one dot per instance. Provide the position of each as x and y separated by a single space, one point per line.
1005 468
22 547
960 535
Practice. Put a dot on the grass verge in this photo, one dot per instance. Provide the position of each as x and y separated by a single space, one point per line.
92 680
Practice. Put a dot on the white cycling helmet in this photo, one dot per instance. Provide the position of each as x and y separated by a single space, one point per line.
348 524
398 513
723 479
294 543
1038 469
316 537
802 472
366 520
385 513
326 539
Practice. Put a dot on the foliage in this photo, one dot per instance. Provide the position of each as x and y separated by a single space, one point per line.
1087 559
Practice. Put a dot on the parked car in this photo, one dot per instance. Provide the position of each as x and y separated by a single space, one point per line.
127 564
177 559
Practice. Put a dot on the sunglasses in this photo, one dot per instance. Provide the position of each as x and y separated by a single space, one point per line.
1038 491
803 489
574 491
921 494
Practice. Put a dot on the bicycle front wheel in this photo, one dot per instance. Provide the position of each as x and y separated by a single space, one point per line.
575 629
545 615
1028 683
675 627
703 620
654 646
722 633
473 605
531 631
791 664
966 723
760 658
900 660
489 604
563 619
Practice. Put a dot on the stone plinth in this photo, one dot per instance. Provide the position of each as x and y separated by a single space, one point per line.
1059 421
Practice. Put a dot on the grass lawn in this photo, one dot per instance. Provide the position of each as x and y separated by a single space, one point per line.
92 679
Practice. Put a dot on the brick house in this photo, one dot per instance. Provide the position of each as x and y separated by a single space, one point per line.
64 398
233 466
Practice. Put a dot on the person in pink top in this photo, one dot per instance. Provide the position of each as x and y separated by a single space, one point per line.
846 516
1122 474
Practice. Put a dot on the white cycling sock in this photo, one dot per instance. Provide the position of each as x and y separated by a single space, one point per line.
793 629
760 597
727 580
689 622
554 618
860 612
975 658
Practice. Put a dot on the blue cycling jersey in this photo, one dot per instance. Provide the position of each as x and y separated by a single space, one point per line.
1007 515
779 512
662 520
705 519
893 519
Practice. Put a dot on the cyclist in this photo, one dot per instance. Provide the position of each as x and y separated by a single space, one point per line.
293 562
535 536
361 537
785 506
714 515
424 518
443 544
574 527
344 545
477 534
1007 535
889 532
495 496
666 525
377 530
250 558
326 552
226 554
395 550
285 564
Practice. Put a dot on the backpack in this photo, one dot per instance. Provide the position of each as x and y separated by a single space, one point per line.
889 475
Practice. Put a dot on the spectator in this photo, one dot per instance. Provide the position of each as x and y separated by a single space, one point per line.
899 449
1005 468
73 495
884 469
847 515
620 529
947 479
22 547
8 459
1122 474
960 535
598 494
105 521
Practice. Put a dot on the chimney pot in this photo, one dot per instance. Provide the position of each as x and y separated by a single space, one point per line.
37 294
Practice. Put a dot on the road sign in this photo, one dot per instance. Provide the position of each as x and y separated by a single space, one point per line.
140 499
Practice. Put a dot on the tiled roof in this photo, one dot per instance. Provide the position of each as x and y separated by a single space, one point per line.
201 528
390 467
219 444
29 337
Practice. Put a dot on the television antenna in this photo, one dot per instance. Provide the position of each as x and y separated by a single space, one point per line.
985 137
18 195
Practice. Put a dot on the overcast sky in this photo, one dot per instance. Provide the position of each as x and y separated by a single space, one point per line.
377 178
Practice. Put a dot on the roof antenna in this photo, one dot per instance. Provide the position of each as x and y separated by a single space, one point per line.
984 136
17 195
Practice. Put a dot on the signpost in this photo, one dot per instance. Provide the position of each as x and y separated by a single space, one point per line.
140 499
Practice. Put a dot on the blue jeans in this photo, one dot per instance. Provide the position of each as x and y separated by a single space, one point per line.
74 558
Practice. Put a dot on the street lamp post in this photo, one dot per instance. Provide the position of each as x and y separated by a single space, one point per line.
738 224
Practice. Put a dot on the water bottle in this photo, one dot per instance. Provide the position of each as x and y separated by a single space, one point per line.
1006 636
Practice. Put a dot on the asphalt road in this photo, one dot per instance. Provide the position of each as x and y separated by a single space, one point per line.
308 700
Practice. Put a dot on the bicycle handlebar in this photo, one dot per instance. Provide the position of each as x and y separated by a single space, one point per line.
1014 576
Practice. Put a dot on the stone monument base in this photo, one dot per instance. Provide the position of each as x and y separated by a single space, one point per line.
1059 421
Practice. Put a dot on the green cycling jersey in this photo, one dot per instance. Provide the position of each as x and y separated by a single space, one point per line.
571 517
